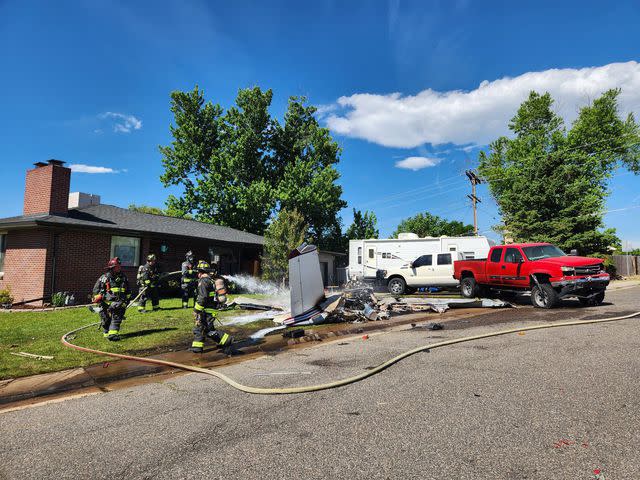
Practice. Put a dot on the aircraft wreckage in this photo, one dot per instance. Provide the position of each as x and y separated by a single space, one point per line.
357 302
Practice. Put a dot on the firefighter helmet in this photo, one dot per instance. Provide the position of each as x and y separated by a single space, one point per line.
151 257
203 266
189 256
114 263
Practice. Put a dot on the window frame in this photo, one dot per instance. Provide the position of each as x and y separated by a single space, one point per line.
506 252
499 249
3 252
137 248
443 255
428 256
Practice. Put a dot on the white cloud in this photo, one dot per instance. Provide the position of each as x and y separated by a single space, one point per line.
477 116
417 163
81 168
122 123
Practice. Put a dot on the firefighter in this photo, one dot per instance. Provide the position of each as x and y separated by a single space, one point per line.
110 294
189 279
207 302
149 277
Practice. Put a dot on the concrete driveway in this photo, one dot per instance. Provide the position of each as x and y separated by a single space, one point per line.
553 403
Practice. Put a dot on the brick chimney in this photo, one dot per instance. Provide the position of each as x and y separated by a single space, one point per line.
47 188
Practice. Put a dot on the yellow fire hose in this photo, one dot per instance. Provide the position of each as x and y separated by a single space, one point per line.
338 383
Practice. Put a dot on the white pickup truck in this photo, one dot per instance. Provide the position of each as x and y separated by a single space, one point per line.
431 270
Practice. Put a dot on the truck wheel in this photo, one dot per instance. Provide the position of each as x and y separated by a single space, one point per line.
593 301
544 296
397 286
469 287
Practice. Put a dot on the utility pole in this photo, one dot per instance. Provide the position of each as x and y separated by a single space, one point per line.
475 180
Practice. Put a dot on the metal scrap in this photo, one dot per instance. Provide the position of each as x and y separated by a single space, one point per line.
32 355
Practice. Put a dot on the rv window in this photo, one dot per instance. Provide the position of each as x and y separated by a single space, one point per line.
452 248
424 260
444 259
384 255
469 255
371 253
359 255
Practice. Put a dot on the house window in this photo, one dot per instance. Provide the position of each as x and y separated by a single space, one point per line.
359 255
3 249
127 249
444 259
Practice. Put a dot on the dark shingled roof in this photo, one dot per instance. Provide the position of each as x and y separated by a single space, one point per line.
109 217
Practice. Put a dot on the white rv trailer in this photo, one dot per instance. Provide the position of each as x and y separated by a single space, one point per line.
366 257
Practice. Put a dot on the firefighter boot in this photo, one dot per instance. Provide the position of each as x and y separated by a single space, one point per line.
222 339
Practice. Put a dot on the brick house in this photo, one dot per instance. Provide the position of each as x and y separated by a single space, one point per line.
63 241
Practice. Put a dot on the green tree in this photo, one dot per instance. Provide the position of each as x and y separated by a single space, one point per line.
363 226
169 212
286 232
550 184
428 225
239 167
305 158
221 160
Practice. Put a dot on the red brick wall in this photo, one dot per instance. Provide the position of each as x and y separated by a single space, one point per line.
47 190
80 258
26 270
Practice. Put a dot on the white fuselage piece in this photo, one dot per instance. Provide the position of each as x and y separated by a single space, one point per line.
305 279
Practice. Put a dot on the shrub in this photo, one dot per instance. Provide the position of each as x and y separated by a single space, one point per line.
58 299
5 297
609 266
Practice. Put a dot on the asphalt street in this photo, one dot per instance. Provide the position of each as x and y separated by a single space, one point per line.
555 403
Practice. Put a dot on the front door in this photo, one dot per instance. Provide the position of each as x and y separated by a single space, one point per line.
370 261
511 267
421 272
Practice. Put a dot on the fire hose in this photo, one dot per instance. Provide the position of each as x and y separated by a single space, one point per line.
338 383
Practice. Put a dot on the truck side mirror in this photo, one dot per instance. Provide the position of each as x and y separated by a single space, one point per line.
573 252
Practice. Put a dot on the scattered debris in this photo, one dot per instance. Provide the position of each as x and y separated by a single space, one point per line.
247 303
31 355
294 333
266 331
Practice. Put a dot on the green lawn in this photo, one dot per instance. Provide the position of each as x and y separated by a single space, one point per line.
39 333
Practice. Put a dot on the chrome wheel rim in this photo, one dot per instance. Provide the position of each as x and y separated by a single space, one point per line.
396 287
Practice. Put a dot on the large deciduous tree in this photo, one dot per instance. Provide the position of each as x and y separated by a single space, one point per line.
365 225
428 225
238 167
551 184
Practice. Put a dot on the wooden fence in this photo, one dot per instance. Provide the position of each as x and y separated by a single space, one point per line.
627 265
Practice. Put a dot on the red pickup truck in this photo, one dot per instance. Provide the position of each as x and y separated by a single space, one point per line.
541 268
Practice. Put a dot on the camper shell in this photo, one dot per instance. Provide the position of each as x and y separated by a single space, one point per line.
368 257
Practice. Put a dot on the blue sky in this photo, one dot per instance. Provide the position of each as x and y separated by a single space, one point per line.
423 85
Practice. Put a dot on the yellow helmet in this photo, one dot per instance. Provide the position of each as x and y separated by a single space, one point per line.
203 266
